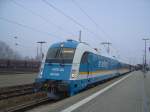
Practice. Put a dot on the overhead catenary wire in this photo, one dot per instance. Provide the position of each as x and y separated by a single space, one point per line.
32 28
91 19
29 27
70 18
43 18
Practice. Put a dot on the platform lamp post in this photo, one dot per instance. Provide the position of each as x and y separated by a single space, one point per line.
41 45
16 44
108 46
145 63
80 36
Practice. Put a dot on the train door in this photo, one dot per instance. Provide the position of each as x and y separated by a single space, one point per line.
84 65
118 68
90 65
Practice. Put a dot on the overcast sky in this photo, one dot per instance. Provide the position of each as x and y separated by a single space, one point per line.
122 22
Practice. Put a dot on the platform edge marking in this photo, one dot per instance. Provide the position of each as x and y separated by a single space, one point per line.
82 102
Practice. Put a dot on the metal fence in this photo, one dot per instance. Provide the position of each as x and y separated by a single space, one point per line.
19 65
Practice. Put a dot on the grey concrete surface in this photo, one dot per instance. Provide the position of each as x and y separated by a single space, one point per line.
147 90
16 79
132 95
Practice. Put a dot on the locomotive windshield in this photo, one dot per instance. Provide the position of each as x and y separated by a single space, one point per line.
60 55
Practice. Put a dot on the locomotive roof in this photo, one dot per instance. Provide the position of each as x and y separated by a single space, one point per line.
73 44
69 43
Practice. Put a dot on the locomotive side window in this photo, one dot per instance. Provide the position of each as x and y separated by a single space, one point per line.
84 58
95 58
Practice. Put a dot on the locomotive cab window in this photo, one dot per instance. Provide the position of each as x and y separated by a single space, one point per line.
67 53
58 55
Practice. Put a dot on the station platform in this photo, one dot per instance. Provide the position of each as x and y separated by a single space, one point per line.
9 79
130 93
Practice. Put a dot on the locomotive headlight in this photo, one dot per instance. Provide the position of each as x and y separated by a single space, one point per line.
74 73
40 74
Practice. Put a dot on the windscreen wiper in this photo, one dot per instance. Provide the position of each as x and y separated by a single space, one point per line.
57 53
61 54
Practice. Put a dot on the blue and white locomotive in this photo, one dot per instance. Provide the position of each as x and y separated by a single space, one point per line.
72 66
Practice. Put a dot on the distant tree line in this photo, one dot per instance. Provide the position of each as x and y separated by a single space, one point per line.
6 52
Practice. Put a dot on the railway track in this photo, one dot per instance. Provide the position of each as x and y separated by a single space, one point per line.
14 91
24 94
27 105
